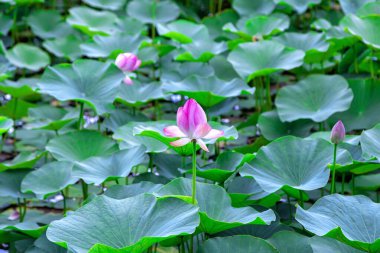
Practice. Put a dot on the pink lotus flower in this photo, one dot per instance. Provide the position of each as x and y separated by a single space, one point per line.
338 133
127 62
191 126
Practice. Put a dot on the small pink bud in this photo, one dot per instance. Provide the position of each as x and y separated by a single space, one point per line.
127 62
15 215
127 80
338 133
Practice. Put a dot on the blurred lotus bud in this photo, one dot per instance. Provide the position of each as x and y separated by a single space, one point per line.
338 133
127 62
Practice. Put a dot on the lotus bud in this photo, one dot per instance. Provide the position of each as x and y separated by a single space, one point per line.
127 62
338 133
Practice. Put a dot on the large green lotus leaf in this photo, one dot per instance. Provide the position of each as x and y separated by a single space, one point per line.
289 241
329 245
363 28
127 191
5 124
369 182
22 88
313 44
208 91
259 231
106 4
215 208
183 31
125 135
80 145
153 12
370 8
16 109
34 225
162 219
103 46
237 244
140 93
168 165
79 81
272 127
43 245
178 71
120 117
197 45
201 50
50 178
215 23
350 219
259 26
24 160
92 22
246 191
10 184
314 98
352 6
370 142
223 167
96 170
50 118
251 60
5 24
363 113
48 24
249 8
64 47
27 56
299 5
305 166
321 24
156 130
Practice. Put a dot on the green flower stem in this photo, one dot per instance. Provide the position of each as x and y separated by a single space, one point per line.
64 203
332 190
220 6
301 199
269 100
194 172
80 120
84 190
343 181
372 67
193 188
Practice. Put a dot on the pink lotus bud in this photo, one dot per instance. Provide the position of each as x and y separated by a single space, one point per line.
127 62
127 80
191 125
338 133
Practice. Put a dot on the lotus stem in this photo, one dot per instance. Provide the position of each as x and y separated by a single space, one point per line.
269 100
301 199
332 190
372 67
353 184
220 6
64 203
343 181
194 172
80 120
84 190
